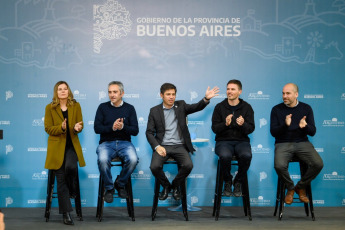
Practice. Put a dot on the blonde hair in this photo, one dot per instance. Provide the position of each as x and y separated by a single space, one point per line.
56 100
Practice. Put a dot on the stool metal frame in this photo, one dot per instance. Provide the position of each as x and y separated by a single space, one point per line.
156 195
101 190
51 194
219 192
281 190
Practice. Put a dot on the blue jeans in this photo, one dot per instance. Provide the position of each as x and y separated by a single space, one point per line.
109 150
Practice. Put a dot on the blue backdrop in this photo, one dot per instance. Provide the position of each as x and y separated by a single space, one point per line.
193 44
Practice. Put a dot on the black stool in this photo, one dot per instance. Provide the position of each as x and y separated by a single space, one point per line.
156 194
51 194
281 190
100 200
219 189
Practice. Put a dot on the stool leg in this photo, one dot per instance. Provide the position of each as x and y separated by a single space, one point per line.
219 194
184 200
77 201
277 197
100 204
130 202
216 192
246 197
282 199
50 189
310 196
155 200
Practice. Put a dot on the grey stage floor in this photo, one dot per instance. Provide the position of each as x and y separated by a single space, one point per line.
230 218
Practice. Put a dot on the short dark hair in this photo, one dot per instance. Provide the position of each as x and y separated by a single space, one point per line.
236 82
167 86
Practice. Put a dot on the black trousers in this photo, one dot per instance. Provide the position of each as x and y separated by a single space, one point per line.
66 178
180 154
242 150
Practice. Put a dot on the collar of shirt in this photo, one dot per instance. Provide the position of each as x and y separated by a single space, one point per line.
294 106
165 108
115 105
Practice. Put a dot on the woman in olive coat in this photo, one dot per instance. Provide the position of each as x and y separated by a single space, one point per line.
63 121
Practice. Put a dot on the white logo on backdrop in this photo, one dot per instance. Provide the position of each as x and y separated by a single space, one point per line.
343 150
318 201
40 176
194 200
333 123
263 122
319 150
258 96
343 96
9 95
78 95
111 21
193 95
9 148
6 176
101 95
313 96
9 201
141 175
141 121
263 176
333 176
37 95
260 201
260 149
38 122
5 122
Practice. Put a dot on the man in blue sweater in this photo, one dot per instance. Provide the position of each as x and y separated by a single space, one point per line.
116 121
291 122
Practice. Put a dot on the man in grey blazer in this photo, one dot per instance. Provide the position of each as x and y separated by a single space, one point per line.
168 135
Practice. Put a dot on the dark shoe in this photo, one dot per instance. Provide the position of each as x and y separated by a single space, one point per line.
302 196
227 188
237 189
109 196
177 193
289 197
165 192
121 190
67 219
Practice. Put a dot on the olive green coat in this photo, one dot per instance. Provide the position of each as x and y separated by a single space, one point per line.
57 137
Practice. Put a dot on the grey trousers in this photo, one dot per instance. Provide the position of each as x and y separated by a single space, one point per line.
306 153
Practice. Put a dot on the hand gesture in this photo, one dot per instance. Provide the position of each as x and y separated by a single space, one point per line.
302 122
64 124
78 126
228 119
211 93
288 119
240 120
161 151
118 124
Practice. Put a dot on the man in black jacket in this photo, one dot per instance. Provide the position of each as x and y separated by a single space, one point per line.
168 135
232 122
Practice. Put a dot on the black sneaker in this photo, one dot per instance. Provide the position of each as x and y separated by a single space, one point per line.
109 196
227 188
121 190
237 189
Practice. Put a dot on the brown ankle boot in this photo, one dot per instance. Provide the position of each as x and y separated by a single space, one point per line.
289 196
302 195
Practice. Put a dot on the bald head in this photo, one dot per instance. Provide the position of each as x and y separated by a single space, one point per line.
290 94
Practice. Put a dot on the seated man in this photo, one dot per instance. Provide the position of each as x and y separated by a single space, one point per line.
168 135
232 122
116 121
291 122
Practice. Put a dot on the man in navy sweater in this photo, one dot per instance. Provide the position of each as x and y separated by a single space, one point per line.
291 122
116 121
